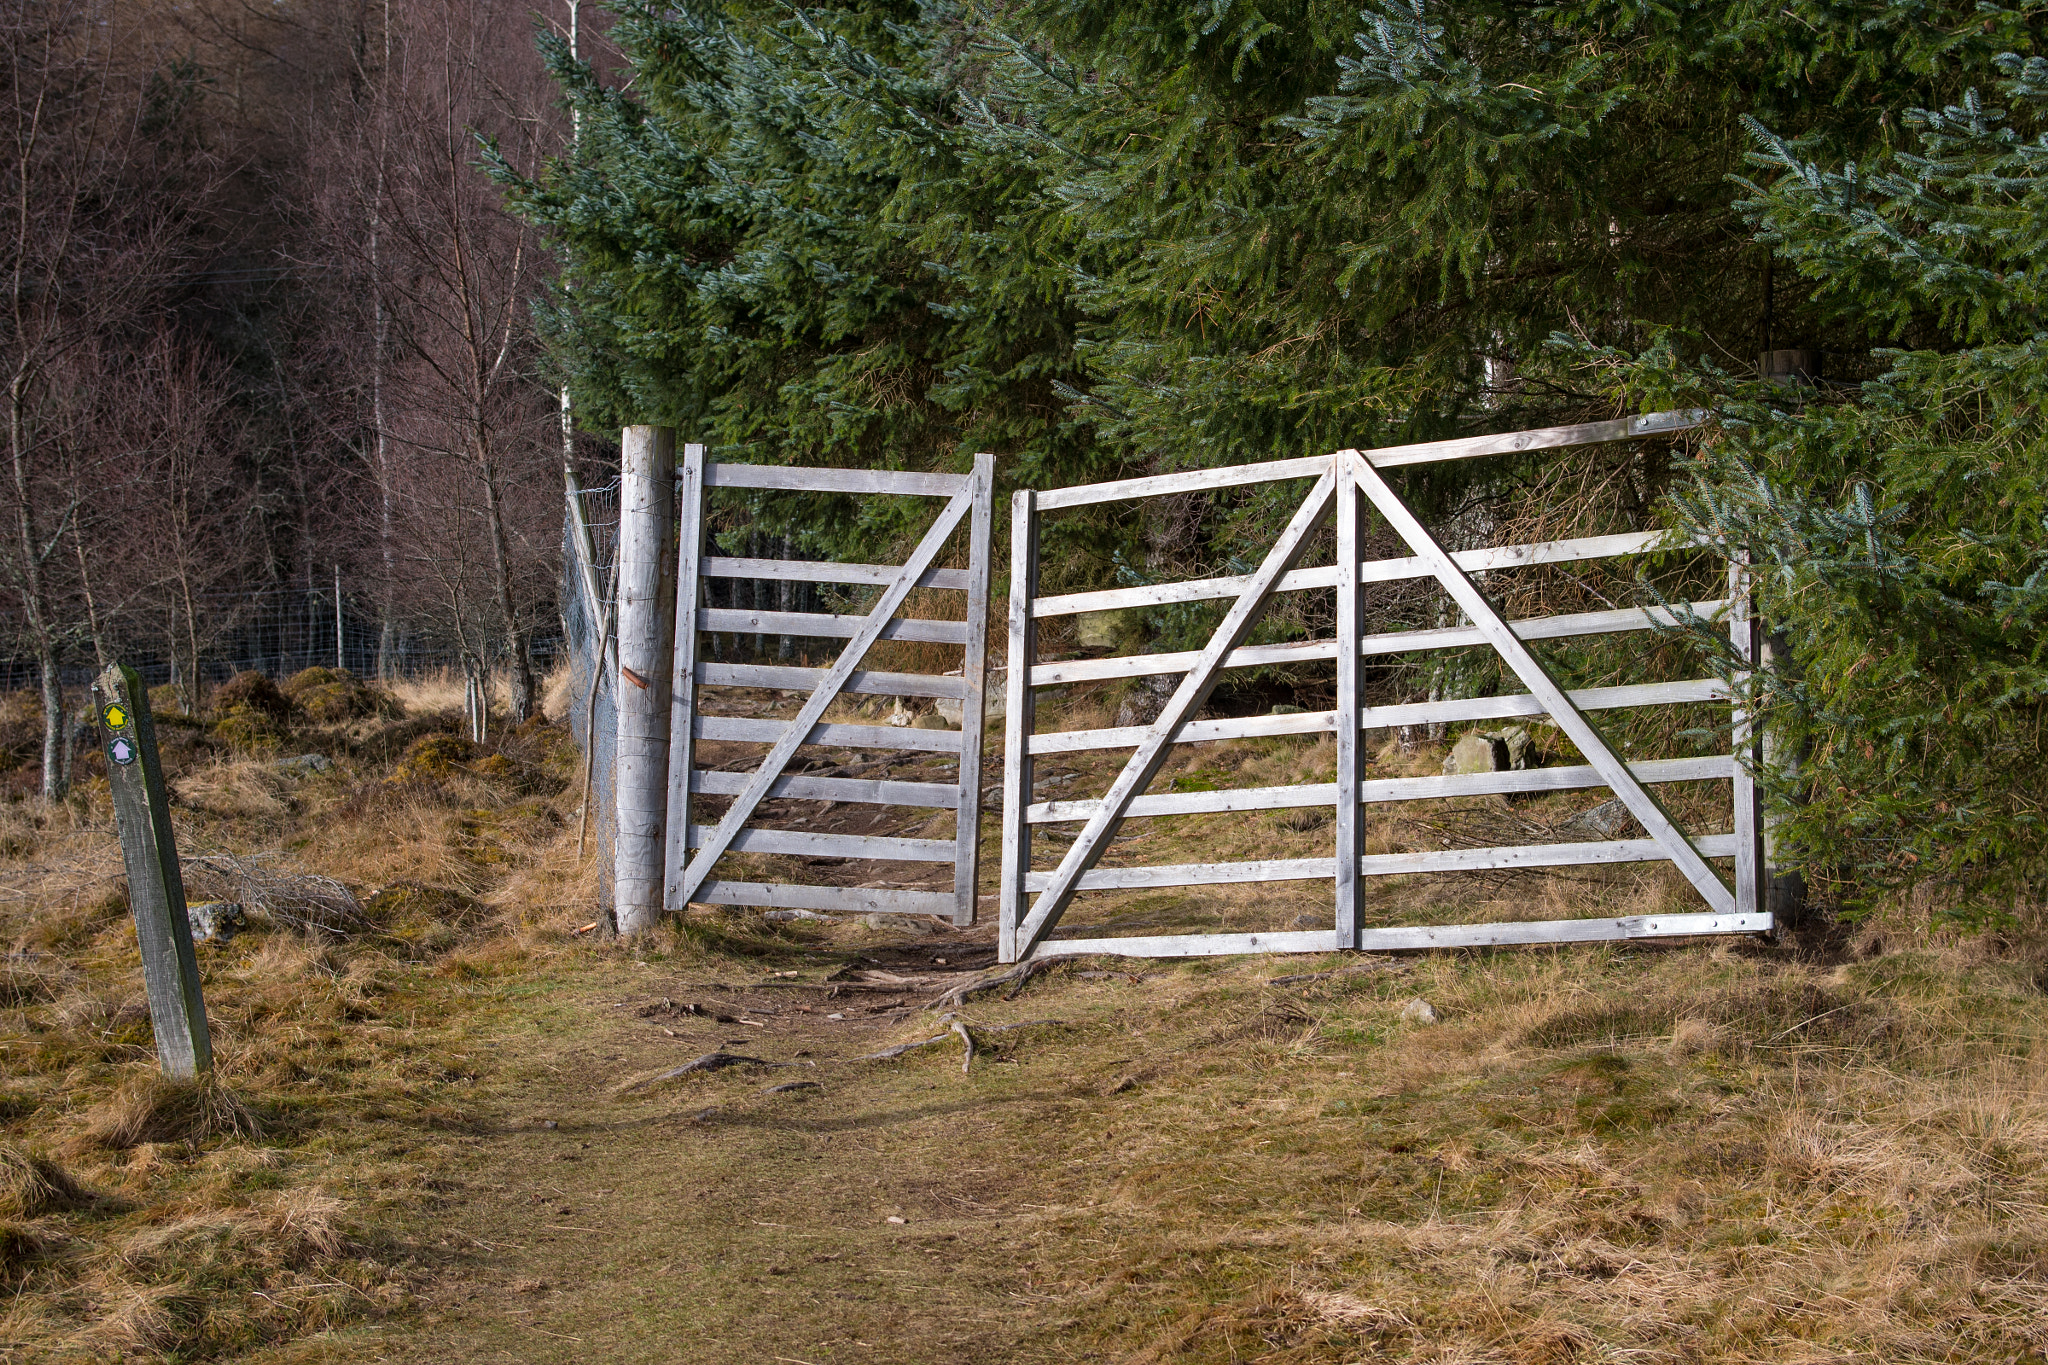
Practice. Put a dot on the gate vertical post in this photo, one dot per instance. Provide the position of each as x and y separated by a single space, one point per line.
1748 826
682 738
647 460
973 711
1018 719
1350 831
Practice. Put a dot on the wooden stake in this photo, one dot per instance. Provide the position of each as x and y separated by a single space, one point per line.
156 893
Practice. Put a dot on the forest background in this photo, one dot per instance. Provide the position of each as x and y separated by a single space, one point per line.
269 308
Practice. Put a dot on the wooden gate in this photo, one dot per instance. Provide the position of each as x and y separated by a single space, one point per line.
693 850
1032 901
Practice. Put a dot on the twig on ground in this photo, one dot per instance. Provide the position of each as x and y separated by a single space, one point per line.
966 1058
954 1027
710 1061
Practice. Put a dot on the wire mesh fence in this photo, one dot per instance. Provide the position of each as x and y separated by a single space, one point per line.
590 527
279 631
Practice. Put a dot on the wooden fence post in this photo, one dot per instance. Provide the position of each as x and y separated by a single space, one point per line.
156 893
646 618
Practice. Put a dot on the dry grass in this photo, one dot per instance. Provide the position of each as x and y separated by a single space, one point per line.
149 1107
1833 1152
31 1186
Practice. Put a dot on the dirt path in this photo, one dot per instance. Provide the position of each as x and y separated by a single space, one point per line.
870 1213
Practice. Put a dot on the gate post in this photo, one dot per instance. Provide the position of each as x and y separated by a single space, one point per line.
647 468
1350 832
682 739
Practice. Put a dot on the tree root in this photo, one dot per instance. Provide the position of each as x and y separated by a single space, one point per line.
1014 977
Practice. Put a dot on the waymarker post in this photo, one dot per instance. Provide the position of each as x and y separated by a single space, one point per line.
156 893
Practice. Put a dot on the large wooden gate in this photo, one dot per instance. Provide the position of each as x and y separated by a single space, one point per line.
1032 901
693 850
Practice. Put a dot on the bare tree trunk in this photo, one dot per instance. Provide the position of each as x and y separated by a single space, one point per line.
35 598
92 611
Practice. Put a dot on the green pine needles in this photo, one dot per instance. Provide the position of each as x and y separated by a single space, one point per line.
1106 237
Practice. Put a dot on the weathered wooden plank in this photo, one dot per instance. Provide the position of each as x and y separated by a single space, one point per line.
1524 704
799 479
1166 594
1193 803
1463 448
1641 802
1542 438
156 885
1537 855
828 687
1192 945
1404 938
1386 642
1186 700
1349 834
818 571
1371 571
1142 665
1386 789
850 900
973 712
823 625
1537 628
1194 732
1187 481
1749 897
1399 938
1381 717
805 844
1018 718
1194 874
861 681
748 731
646 616
923 795
682 735
1540 779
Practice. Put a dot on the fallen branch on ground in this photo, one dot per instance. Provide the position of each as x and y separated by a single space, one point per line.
955 1027
710 1061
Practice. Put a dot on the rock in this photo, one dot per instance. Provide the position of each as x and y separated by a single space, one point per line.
1146 699
950 710
900 717
1418 1011
215 921
1521 748
1109 629
1608 820
932 720
1476 753
305 763
1283 709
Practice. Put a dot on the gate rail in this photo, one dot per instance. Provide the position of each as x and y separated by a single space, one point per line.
1032 902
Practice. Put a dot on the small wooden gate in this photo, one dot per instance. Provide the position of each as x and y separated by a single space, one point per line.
1032 902
693 850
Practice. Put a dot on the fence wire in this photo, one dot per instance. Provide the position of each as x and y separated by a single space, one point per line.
591 712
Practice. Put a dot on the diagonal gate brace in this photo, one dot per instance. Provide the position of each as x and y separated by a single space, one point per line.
742 808
1647 809
1194 690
